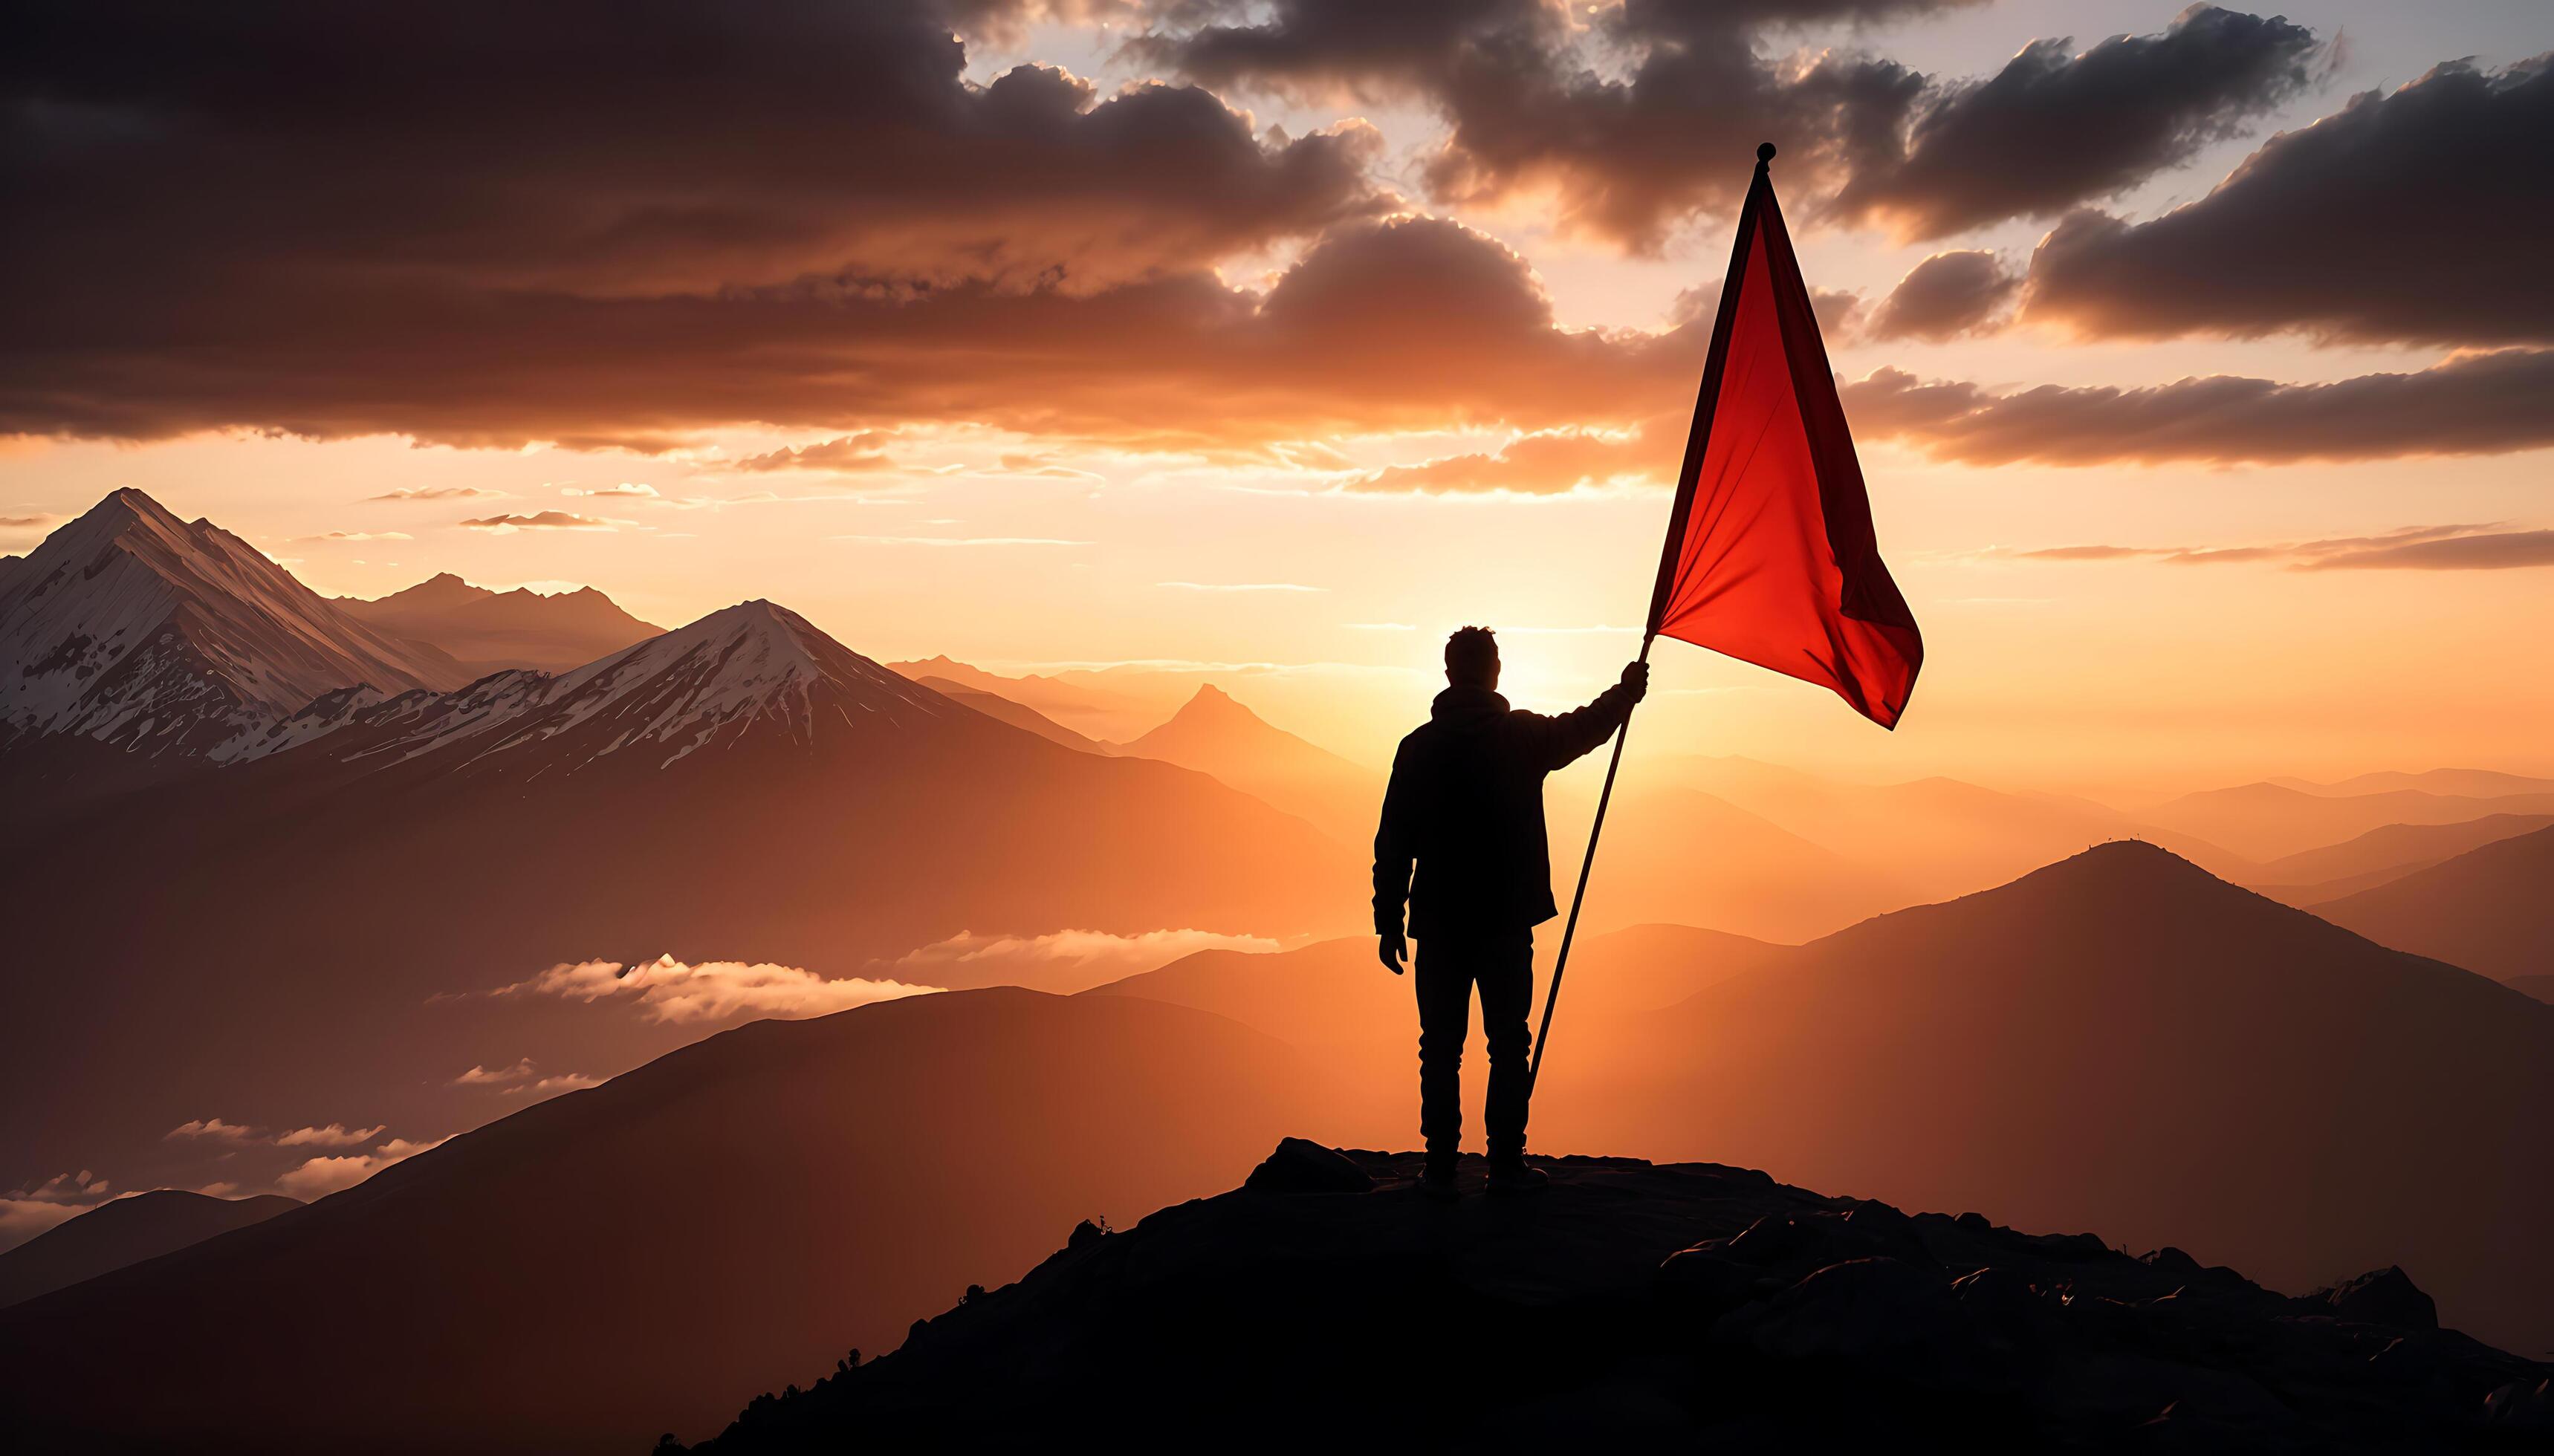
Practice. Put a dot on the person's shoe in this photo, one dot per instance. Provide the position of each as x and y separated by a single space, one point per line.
1437 1180
1511 1174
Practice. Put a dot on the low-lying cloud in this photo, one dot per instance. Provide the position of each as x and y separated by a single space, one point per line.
438 493
210 1126
523 1080
856 452
318 1177
2409 548
31 1210
542 520
670 991
334 1134
1540 463
1068 959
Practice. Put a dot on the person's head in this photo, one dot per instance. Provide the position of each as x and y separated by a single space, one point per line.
1473 658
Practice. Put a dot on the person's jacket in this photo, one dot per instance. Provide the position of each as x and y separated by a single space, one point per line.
1466 805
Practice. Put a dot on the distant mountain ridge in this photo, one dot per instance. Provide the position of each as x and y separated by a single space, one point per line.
122 1232
2269 820
2489 908
157 636
2118 1040
1018 714
1214 733
489 630
742 789
638 1257
2382 854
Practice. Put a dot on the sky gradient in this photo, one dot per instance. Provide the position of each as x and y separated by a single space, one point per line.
2196 359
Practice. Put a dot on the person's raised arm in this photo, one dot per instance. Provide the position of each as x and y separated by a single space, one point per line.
1393 855
1573 734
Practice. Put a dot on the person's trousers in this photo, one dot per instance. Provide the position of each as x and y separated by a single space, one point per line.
1449 966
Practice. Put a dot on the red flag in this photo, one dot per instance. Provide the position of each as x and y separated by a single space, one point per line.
1770 556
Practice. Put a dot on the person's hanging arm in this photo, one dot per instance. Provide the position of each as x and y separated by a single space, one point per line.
1394 855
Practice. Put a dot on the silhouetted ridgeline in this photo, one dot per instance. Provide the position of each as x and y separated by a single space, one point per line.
1686 1305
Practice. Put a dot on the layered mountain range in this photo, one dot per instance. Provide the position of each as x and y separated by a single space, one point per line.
133 628
2119 1042
489 630
344 853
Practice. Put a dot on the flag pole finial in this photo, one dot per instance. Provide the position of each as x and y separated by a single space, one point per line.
1764 154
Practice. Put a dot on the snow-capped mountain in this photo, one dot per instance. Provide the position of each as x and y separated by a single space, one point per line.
157 635
753 668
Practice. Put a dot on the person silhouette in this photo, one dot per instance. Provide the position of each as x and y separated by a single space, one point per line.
1464 810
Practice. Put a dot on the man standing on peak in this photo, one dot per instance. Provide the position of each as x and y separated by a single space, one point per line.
1466 805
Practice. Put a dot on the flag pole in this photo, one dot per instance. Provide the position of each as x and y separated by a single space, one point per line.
1688 478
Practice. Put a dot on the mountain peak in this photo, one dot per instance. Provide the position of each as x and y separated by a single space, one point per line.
126 502
754 668
1210 702
2130 876
138 630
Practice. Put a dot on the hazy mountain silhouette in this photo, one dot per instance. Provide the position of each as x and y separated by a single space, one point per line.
742 789
2382 854
489 630
2118 1041
2539 987
1930 838
1689 1307
1685 856
157 636
2266 820
1332 1000
2480 783
643 1256
2121 1040
2490 910
1090 710
1215 734
1018 714
125 1231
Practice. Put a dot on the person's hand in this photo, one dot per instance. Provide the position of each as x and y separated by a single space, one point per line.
1392 950
1636 677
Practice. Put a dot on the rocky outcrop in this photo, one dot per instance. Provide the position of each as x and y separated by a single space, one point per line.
1693 1304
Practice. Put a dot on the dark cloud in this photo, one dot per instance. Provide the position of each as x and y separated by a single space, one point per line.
2053 128
1630 159
1944 296
1354 47
1839 311
2476 404
2416 548
222 185
610 148
2419 215
1413 324
1646 114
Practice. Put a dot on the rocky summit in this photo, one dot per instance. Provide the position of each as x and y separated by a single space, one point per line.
1686 1305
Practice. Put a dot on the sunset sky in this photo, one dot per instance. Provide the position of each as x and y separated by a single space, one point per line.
2196 360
